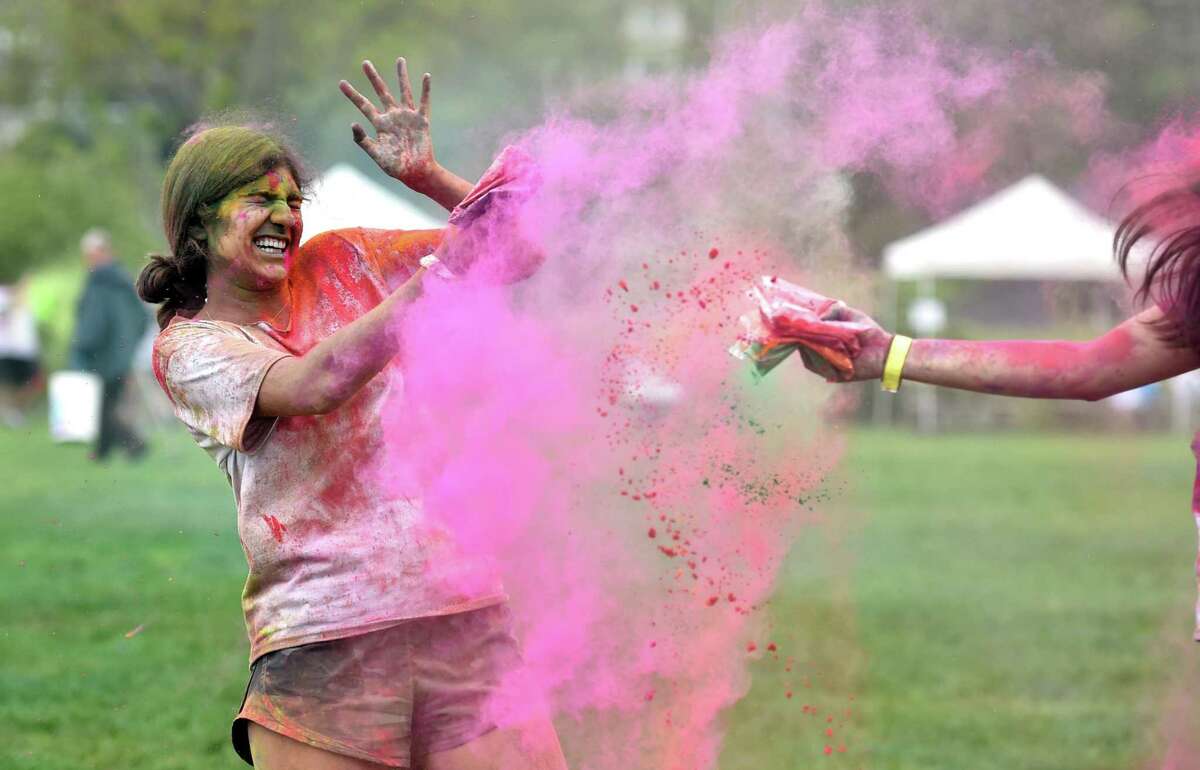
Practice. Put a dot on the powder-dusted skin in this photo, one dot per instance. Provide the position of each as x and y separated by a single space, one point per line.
330 553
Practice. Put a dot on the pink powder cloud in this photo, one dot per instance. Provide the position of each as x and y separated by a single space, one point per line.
584 433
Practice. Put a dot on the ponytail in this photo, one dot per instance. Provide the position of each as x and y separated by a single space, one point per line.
176 283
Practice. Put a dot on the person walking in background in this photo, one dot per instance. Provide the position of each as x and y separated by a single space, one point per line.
20 371
110 321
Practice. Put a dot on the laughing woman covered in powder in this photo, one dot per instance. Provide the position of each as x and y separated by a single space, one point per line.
278 359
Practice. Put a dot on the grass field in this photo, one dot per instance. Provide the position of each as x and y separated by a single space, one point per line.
986 601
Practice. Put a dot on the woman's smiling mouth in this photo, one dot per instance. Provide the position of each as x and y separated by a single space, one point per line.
270 245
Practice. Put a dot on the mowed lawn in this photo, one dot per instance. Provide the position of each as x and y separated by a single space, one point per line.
1011 601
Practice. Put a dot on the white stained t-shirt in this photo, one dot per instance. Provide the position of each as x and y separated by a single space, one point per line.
332 552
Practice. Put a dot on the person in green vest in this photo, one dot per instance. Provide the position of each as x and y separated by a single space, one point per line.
110 322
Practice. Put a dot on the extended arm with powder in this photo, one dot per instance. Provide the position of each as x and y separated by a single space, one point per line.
1131 355
327 376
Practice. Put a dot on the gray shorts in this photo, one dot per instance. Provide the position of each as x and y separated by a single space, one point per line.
387 696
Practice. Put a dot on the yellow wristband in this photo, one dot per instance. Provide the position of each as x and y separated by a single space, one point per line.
893 367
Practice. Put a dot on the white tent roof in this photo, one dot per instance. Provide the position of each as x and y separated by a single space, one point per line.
1030 231
344 197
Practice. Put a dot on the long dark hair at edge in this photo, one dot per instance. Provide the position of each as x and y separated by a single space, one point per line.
1160 242
218 155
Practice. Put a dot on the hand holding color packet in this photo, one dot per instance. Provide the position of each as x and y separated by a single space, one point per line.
789 318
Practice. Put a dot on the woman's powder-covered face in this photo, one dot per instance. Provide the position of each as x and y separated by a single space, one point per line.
257 230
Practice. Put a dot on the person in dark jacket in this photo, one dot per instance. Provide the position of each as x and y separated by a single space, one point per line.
110 322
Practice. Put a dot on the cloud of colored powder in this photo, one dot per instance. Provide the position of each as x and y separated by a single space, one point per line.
585 431
1116 182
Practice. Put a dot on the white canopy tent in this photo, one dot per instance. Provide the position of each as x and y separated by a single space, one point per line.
345 197
1030 231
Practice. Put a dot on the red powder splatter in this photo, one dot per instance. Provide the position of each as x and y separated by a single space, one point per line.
623 285
751 647
277 528
650 695
653 533
714 252
829 732
788 694
713 600
634 308
670 552
731 598
771 647
828 749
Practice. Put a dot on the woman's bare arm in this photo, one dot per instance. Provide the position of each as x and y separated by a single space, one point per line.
327 376
1129 356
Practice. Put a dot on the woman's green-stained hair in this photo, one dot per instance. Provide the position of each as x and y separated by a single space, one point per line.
217 157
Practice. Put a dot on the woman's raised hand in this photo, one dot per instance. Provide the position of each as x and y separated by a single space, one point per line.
402 145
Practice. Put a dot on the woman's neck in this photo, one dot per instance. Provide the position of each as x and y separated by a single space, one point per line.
237 304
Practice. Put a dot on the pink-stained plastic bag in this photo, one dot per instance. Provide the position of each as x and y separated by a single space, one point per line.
790 317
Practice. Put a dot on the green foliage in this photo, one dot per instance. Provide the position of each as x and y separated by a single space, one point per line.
111 85
115 82
52 190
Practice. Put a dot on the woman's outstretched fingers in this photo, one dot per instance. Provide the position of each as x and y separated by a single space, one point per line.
426 81
385 96
358 100
405 86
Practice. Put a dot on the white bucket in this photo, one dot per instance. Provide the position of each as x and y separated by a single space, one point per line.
74 406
